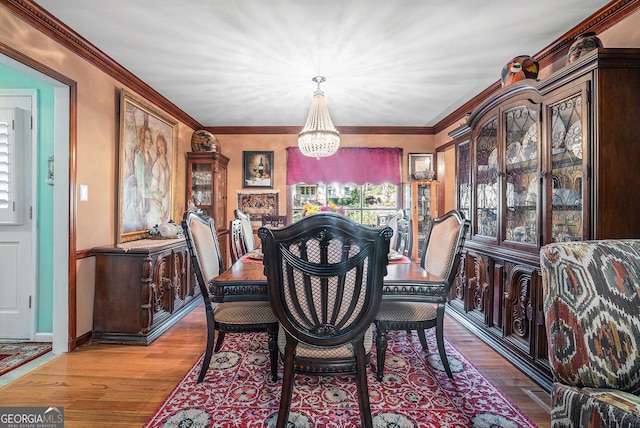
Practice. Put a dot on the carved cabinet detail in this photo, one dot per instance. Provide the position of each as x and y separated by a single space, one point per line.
142 289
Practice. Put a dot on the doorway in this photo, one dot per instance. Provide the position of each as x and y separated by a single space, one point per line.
62 290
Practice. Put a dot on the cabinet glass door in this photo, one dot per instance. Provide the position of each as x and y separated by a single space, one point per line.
487 180
521 173
567 153
221 192
201 182
464 179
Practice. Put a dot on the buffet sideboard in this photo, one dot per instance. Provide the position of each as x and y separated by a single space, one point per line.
142 289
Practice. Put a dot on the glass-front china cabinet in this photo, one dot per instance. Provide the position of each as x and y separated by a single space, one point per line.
420 203
541 162
207 190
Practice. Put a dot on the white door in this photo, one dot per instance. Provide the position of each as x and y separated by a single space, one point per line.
17 249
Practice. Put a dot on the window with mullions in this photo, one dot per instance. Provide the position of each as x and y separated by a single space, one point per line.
366 204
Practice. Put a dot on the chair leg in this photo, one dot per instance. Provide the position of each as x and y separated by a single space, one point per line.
211 333
423 338
273 351
382 328
219 341
440 340
287 385
361 383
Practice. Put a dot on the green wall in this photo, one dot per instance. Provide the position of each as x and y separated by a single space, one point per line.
13 79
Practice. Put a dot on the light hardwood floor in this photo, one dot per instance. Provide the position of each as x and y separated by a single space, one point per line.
121 386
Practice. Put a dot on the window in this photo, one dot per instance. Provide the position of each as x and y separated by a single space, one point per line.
10 158
363 183
368 204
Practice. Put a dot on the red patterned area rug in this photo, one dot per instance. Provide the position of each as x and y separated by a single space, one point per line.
13 355
415 392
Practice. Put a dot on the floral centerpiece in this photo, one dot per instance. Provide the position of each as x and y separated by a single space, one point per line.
329 208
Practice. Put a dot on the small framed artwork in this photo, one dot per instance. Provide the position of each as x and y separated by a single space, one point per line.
420 166
257 170
146 164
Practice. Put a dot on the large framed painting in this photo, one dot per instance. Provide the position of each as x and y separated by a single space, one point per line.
146 167
257 169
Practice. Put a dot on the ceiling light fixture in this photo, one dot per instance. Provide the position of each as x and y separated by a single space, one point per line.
319 138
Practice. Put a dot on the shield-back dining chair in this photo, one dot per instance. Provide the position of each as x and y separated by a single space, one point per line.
247 230
392 222
404 240
236 240
324 276
226 316
442 250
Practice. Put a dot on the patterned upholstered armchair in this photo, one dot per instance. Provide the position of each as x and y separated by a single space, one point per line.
592 311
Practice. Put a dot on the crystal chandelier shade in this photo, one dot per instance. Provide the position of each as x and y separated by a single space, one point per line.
319 138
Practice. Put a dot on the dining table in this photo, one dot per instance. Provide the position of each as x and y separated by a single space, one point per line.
404 280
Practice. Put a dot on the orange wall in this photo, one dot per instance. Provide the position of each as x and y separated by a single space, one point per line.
234 144
97 148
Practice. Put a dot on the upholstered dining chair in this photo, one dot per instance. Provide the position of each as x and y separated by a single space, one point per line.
223 317
425 307
392 222
236 240
404 240
247 230
274 220
324 277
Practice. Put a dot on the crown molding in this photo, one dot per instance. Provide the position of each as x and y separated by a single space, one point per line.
345 130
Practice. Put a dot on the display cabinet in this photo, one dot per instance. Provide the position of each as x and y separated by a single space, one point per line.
541 162
419 202
207 189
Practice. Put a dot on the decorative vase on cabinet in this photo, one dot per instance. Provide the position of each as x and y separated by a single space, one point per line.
582 44
420 201
207 190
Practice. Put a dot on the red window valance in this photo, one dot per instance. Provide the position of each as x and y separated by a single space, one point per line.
359 165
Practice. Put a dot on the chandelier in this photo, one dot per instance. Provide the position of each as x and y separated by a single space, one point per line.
319 138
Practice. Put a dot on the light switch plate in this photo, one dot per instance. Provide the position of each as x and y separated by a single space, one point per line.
84 192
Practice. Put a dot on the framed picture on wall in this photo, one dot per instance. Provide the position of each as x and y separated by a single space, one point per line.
257 170
420 166
146 167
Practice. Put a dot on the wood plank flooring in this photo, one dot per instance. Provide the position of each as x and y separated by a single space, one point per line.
121 386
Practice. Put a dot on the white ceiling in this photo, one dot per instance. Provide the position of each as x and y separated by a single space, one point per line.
387 63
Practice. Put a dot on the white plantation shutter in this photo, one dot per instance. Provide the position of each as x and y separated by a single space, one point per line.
11 211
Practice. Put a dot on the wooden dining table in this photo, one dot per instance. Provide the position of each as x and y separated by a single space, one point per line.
245 280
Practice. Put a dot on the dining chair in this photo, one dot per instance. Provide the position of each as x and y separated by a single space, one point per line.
236 240
324 278
404 241
392 222
274 220
425 307
233 316
247 230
